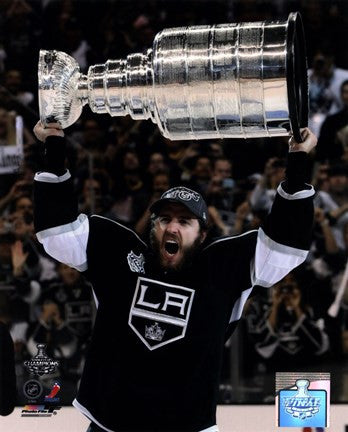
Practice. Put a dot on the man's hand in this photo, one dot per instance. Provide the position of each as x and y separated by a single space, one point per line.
243 210
50 312
277 297
19 258
53 129
310 141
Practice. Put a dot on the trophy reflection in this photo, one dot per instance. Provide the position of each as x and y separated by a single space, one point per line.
241 80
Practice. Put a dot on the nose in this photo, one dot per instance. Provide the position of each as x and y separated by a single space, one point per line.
173 226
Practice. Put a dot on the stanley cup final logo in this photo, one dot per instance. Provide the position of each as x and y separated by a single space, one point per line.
302 405
302 399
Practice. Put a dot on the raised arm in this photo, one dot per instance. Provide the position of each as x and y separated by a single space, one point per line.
284 240
58 226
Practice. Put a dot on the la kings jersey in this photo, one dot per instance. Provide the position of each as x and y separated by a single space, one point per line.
156 349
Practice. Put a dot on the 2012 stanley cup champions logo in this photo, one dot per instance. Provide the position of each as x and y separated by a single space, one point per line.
160 312
41 364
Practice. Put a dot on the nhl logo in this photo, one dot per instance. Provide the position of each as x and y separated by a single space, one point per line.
136 262
160 312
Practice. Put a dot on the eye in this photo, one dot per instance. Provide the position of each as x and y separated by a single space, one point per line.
183 222
163 219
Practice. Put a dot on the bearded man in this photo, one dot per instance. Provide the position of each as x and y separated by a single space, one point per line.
165 309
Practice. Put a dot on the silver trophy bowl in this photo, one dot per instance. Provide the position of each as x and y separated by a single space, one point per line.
245 80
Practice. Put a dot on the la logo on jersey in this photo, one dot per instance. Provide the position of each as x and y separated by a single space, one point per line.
160 312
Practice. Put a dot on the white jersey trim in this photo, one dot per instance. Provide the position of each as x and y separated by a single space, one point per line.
239 305
61 229
68 243
47 177
305 193
85 412
273 260
274 246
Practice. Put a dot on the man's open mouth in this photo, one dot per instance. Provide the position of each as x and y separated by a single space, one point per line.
171 246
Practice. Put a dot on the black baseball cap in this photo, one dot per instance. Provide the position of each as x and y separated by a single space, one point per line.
191 199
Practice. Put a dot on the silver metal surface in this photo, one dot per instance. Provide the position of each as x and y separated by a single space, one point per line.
221 81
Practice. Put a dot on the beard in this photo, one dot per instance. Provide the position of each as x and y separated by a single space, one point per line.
188 253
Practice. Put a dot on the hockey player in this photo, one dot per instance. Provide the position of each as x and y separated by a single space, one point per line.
165 309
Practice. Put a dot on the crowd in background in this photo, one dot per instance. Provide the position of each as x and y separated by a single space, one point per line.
121 166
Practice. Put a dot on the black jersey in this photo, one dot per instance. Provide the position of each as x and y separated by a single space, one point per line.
156 350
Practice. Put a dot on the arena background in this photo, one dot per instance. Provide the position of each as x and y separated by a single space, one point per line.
120 165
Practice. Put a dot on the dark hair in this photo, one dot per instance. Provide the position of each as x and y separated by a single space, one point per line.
222 159
7 238
345 82
338 169
279 163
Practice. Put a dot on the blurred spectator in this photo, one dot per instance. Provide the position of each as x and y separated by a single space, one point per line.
72 39
143 33
129 188
73 296
261 198
21 36
64 316
7 130
333 138
285 331
157 163
175 152
160 184
335 201
325 80
14 84
11 133
326 244
94 196
114 42
200 175
18 190
320 180
52 331
220 196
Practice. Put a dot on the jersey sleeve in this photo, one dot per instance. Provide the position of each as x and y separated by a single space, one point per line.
74 239
59 228
264 256
284 240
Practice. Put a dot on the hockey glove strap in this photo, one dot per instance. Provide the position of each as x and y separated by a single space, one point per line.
55 153
296 174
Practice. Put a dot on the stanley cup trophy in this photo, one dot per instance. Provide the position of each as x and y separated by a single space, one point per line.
245 80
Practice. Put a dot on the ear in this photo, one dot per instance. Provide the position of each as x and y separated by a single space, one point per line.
203 236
